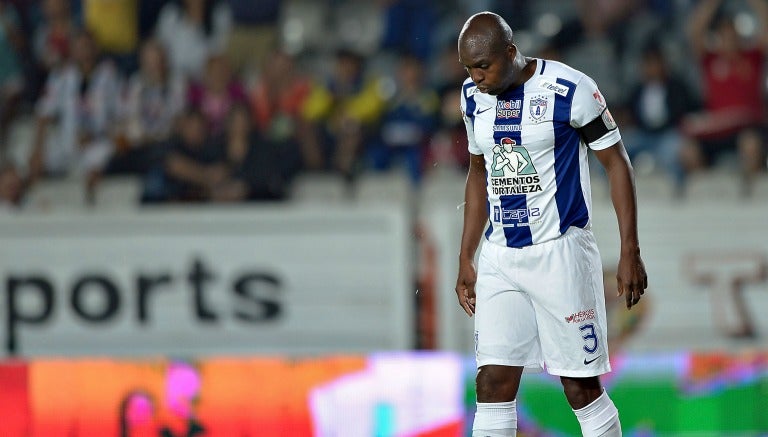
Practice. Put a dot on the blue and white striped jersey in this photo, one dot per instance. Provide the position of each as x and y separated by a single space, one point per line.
535 158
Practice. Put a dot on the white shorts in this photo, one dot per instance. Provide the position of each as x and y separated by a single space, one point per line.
543 306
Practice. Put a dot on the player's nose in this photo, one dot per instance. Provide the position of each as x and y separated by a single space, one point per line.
477 76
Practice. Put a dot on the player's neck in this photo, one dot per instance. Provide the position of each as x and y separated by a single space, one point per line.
527 68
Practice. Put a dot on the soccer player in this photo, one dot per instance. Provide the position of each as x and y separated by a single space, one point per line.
537 293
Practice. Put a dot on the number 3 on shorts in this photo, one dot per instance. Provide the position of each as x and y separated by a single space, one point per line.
588 337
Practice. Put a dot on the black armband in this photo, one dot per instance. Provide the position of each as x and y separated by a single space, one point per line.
597 128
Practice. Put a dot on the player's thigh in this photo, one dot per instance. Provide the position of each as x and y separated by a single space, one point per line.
568 297
505 323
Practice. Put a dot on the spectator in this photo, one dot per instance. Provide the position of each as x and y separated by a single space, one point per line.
149 11
155 98
733 72
255 166
341 116
657 105
11 76
217 94
408 122
593 40
195 163
12 188
448 146
83 98
192 32
447 71
277 98
54 34
115 26
254 34
408 26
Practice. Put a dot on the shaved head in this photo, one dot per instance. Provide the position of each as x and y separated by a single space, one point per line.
488 53
487 30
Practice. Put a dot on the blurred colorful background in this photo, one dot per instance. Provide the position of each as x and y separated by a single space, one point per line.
242 217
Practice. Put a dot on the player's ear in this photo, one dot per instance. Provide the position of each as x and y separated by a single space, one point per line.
511 51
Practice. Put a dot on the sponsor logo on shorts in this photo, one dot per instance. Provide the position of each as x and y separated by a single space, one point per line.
588 362
581 316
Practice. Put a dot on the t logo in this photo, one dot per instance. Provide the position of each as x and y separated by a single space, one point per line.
727 274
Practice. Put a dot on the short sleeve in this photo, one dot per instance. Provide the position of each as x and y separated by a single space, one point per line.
590 111
469 125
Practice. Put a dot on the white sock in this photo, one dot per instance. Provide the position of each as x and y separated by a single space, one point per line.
600 418
498 419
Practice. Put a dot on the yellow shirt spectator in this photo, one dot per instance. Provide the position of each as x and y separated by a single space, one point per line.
365 106
114 24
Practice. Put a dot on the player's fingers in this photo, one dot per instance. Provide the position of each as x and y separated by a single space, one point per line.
469 296
627 291
465 306
463 301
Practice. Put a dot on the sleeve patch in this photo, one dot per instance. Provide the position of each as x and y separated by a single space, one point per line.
597 128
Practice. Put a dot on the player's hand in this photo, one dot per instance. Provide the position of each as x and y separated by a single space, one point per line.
465 286
631 277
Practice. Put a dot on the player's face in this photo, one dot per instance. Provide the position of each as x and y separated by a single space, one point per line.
490 70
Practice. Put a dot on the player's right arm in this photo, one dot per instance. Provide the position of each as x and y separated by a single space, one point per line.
475 209
475 219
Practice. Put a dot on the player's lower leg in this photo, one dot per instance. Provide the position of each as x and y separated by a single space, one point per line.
594 409
496 414
495 419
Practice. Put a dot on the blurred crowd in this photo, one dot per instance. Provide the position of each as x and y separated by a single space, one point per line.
222 101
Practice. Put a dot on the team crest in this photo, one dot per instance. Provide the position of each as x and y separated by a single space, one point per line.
538 108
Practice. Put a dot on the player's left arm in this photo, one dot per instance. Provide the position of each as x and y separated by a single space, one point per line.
591 117
631 275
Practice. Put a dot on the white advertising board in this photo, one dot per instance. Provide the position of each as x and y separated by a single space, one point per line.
707 265
200 282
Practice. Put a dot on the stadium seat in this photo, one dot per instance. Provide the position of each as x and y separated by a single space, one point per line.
653 187
715 184
118 193
65 194
443 187
389 187
319 188
760 190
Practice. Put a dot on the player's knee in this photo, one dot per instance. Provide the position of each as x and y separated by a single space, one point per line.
581 391
497 383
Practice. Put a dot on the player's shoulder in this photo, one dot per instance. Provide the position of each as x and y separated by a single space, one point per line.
555 70
471 96
468 89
